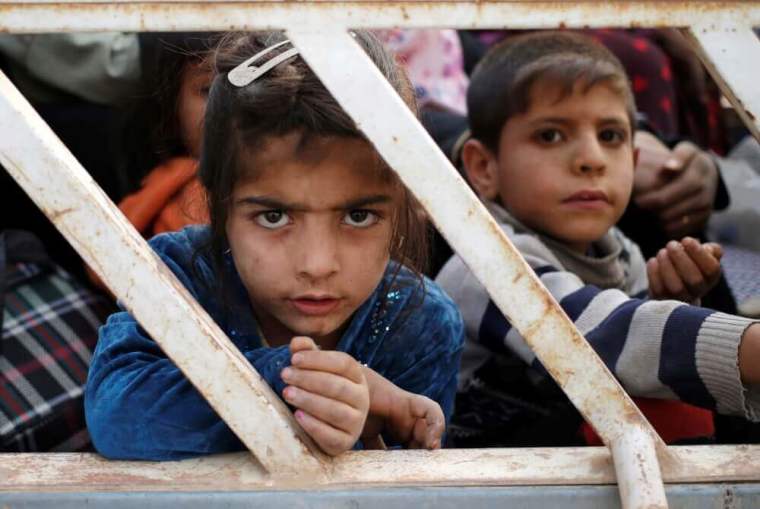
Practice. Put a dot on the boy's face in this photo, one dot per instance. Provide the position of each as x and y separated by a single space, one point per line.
565 167
310 234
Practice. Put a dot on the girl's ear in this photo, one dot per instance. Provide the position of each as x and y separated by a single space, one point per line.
482 169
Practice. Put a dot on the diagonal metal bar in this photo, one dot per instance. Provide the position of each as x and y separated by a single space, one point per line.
41 16
64 191
730 49
463 220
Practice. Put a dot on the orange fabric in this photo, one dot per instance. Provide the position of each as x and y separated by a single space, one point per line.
673 420
171 197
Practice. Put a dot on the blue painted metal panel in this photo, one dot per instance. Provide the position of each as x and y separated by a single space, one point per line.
691 496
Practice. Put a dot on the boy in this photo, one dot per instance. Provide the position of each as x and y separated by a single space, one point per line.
552 157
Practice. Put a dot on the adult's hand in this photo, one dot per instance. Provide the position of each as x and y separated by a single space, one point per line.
682 192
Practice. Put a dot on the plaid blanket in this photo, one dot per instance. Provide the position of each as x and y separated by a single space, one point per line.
49 330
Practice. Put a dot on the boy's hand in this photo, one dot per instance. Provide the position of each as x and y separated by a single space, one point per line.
684 270
414 420
749 355
330 393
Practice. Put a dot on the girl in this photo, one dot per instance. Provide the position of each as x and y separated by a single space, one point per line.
304 265
164 129
162 135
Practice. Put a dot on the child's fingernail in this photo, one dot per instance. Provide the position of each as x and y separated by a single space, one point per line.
287 392
299 415
286 373
296 359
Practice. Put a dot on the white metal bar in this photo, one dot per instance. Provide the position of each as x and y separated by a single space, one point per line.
638 471
463 220
730 52
404 145
447 467
155 15
58 184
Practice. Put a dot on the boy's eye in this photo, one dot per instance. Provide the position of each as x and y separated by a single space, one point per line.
549 136
360 218
272 219
612 136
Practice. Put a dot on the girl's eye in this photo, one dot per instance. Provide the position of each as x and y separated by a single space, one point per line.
549 136
612 136
272 219
360 218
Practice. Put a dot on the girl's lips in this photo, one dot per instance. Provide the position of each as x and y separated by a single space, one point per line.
315 306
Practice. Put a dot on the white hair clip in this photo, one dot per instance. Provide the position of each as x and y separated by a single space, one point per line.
245 73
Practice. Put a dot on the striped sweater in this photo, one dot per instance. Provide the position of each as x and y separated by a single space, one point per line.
657 349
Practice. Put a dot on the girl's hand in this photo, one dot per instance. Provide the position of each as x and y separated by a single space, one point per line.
684 270
414 420
330 394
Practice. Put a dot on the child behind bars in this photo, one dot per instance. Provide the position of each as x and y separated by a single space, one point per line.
310 265
552 157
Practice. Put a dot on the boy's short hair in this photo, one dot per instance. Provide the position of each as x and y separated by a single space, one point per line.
501 83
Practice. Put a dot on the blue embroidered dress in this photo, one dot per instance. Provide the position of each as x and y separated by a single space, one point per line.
140 406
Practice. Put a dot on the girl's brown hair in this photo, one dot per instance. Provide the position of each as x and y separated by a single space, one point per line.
289 99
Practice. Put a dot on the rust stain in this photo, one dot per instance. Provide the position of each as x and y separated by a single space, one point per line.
55 215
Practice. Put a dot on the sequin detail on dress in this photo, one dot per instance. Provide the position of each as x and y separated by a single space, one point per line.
378 327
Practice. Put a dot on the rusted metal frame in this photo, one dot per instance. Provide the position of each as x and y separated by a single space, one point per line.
672 19
471 231
637 469
106 240
85 16
732 49
375 469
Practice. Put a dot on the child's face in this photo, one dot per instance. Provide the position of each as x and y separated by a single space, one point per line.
310 235
565 168
191 105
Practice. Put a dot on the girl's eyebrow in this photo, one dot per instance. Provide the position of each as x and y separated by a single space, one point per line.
272 203
374 199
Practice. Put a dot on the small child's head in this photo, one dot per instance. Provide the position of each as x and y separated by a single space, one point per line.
309 211
166 118
552 116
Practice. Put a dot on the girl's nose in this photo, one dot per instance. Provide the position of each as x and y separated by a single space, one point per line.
318 257
589 156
